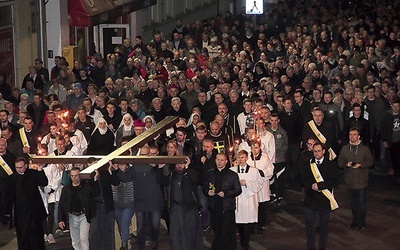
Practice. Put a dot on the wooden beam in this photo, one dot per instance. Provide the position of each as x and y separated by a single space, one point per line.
135 143
128 159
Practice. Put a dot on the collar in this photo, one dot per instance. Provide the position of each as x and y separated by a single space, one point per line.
320 160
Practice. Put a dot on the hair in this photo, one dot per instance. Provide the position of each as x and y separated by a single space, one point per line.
317 143
21 159
243 152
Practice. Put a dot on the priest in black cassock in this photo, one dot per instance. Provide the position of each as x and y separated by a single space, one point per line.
29 210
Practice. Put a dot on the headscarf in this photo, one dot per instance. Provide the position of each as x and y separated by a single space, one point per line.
153 122
101 131
122 124
190 121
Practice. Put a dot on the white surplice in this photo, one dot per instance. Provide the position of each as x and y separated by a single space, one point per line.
265 165
247 201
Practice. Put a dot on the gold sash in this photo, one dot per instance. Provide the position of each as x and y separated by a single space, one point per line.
5 166
321 138
318 178
24 139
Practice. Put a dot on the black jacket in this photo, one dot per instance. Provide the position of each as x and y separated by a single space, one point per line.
190 196
87 191
231 188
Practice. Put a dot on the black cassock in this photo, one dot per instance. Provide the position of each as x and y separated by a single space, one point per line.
29 209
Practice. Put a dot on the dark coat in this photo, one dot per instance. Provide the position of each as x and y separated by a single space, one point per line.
38 121
231 188
32 179
356 178
148 193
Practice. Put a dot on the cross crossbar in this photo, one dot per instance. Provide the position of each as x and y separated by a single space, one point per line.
133 144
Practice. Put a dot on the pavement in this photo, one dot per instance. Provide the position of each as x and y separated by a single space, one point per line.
285 228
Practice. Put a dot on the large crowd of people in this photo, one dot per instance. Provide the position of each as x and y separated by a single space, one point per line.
287 99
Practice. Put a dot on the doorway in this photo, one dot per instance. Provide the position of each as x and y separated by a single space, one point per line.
110 36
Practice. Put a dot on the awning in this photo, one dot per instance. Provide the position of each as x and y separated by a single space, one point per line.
86 13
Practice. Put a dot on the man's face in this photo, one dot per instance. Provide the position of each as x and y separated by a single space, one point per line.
242 159
318 152
176 105
255 149
124 106
327 98
28 124
110 109
298 97
138 130
157 104
274 121
202 97
201 134
3 117
53 130
36 99
222 110
61 146
396 108
81 114
221 161
288 105
20 167
9 107
218 98
173 92
153 151
3 146
214 128
318 116
233 96
180 137
74 174
371 93
316 95
247 106
354 136
357 112
310 144
6 134
87 105
208 147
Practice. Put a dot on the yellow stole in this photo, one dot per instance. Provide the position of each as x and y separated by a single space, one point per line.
318 178
321 138
5 166
24 139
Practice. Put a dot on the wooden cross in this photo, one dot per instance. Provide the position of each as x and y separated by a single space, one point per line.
134 144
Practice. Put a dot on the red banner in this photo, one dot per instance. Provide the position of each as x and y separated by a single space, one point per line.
7 55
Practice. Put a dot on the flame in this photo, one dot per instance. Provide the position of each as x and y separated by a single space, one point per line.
231 149
39 138
237 141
